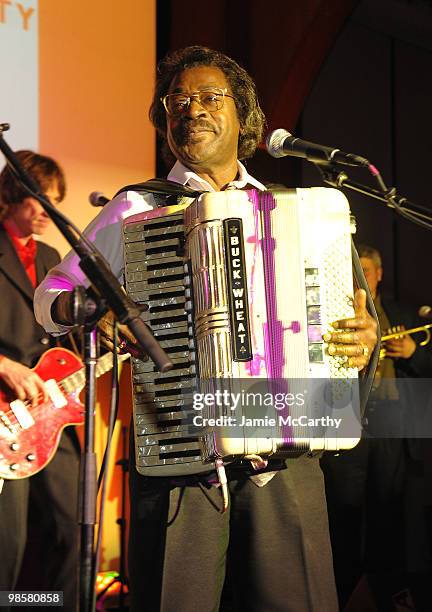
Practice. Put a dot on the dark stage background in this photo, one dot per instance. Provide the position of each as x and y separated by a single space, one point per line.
356 74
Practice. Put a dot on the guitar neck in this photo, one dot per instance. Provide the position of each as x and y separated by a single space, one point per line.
104 364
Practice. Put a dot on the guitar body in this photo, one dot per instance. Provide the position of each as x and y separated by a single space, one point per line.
29 436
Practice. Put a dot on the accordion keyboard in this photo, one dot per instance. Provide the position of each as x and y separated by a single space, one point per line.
156 278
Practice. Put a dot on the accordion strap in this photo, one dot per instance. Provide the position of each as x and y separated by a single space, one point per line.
162 187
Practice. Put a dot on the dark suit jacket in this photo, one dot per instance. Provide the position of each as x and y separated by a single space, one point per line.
21 338
414 380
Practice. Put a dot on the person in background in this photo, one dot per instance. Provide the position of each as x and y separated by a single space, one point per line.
273 542
367 487
50 496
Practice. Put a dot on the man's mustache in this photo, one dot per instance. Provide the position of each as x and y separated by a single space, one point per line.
183 130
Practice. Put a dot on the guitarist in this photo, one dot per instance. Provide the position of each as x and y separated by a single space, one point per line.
50 497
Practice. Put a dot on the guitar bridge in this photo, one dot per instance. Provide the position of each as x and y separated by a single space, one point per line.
6 422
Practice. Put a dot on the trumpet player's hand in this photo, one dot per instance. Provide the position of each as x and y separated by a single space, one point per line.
358 343
400 348
127 341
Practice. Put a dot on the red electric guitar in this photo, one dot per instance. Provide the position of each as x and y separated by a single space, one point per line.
29 436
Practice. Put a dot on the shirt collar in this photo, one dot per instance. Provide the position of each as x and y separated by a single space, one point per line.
29 247
181 174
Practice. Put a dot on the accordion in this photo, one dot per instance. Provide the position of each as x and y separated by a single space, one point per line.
239 288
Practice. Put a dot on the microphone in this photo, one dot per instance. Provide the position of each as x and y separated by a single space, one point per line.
97 198
425 312
280 143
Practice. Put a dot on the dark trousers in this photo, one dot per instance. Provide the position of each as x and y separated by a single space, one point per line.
364 488
48 501
273 541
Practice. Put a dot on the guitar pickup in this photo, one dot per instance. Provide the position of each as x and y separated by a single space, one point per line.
55 393
21 413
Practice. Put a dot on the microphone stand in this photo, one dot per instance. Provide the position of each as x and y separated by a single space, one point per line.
121 579
124 464
94 266
420 215
88 478
109 290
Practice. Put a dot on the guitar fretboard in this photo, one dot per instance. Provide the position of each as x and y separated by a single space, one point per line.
77 379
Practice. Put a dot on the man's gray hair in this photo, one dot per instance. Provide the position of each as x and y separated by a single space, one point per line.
365 250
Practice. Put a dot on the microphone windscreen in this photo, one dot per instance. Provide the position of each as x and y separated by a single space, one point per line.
97 198
275 141
425 312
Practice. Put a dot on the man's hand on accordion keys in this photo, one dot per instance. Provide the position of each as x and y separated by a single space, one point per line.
358 336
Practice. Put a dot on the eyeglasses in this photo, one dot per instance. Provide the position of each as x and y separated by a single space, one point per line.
211 100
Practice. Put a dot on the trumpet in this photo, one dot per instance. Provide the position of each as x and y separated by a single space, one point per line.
397 332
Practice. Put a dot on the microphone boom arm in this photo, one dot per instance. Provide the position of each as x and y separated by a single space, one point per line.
413 212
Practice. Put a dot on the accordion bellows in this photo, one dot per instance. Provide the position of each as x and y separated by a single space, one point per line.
240 288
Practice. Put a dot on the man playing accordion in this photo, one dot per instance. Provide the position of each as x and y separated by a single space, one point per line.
274 542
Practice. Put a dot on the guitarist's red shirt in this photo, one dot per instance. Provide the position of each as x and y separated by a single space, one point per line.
26 253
